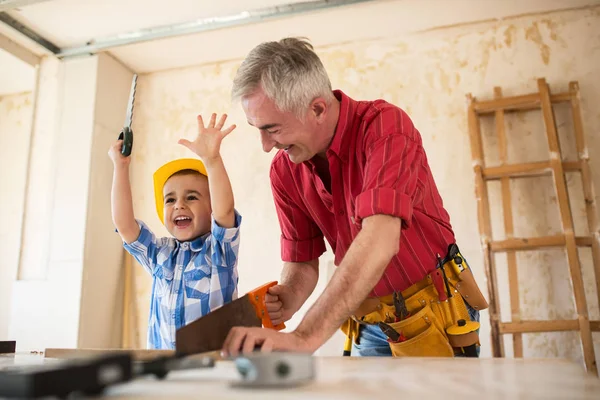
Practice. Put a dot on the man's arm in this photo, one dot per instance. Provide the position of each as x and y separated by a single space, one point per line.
121 201
298 281
361 268
221 194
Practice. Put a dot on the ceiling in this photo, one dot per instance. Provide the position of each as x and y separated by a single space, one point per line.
71 25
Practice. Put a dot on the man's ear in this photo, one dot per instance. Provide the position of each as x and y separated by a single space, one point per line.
319 108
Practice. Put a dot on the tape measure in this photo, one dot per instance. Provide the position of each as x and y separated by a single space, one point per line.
276 369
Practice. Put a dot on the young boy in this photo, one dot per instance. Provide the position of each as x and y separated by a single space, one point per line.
195 271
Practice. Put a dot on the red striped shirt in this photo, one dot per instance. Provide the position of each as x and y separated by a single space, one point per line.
378 166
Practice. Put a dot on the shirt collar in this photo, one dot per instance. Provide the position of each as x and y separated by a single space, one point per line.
196 244
341 138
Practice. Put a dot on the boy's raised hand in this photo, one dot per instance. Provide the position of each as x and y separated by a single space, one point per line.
116 156
207 144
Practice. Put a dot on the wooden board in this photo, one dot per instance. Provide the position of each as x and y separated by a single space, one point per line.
377 378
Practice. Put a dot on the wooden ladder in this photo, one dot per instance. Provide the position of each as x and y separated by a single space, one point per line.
556 167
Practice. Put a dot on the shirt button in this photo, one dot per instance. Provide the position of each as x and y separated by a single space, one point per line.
173 316
341 212
185 246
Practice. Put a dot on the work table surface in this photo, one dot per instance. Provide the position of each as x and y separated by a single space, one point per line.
373 379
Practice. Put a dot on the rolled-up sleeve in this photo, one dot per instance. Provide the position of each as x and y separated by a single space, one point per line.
391 177
301 239
146 249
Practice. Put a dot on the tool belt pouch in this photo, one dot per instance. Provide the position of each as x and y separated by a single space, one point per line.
423 337
469 291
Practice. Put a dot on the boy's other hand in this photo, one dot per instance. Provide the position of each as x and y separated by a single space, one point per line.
116 156
281 303
207 144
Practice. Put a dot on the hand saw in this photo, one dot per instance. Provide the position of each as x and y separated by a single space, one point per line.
208 333
126 133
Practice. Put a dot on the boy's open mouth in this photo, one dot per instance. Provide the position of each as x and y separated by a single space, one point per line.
183 221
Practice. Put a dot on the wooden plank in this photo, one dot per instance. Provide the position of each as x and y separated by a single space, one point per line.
511 256
524 102
536 243
567 224
485 230
539 326
137 354
586 178
527 170
19 51
595 326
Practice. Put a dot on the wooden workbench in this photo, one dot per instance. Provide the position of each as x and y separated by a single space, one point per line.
374 379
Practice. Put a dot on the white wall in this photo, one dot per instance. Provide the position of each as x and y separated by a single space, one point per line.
15 133
69 280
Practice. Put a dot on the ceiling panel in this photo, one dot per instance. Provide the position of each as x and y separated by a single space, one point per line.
74 22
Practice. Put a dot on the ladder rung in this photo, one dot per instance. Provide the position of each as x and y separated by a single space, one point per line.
527 169
517 103
536 243
544 326
539 326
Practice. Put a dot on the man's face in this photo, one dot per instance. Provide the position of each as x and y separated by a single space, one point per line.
282 130
187 206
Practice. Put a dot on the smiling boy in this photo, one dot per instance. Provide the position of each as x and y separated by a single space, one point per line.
195 270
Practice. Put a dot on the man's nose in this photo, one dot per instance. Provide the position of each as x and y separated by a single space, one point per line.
267 142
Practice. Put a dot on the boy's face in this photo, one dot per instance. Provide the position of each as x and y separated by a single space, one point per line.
187 206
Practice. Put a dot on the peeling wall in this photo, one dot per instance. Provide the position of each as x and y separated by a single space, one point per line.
428 74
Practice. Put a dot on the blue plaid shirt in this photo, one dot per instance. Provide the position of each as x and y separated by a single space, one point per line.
190 279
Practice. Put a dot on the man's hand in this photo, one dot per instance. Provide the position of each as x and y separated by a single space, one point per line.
118 159
207 144
282 303
243 340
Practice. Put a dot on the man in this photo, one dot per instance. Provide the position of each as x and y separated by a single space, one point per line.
355 173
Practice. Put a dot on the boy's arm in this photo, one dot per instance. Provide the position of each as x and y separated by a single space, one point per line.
207 146
121 201
221 195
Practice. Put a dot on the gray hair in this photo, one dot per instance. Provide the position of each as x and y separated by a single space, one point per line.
289 72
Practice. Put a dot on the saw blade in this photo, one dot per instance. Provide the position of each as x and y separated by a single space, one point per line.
129 115
208 333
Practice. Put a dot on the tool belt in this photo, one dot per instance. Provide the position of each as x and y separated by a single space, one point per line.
436 320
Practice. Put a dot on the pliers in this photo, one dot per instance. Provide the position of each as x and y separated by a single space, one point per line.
400 307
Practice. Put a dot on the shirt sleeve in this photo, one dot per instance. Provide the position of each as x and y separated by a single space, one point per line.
301 239
393 158
146 248
225 242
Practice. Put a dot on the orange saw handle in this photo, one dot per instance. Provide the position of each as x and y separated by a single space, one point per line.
257 298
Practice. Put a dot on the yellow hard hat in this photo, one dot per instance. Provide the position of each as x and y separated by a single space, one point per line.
166 171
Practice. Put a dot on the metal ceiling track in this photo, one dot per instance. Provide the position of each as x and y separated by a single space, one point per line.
181 29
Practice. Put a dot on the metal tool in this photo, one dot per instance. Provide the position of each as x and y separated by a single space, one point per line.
126 133
161 366
393 335
208 333
8 346
400 307
275 369
89 375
